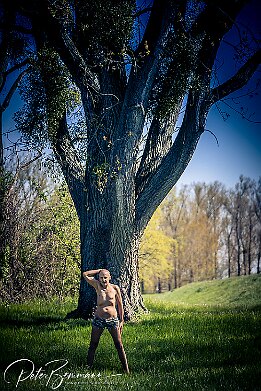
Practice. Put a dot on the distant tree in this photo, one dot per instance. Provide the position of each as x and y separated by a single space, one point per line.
188 217
241 226
21 208
89 53
227 239
174 209
209 199
215 231
249 222
257 208
200 241
14 64
155 255
42 254
10 45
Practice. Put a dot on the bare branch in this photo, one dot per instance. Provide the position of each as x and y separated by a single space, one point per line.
237 81
142 11
12 89
207 130
244 113
17 66
12 69
27 164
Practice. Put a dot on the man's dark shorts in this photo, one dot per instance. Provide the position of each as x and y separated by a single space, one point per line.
111 323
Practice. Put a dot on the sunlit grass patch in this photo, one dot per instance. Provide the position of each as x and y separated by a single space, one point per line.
235 292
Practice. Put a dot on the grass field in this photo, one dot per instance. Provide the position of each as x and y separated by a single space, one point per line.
243 291
206 336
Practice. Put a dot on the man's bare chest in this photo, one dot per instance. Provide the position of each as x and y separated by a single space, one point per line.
106 295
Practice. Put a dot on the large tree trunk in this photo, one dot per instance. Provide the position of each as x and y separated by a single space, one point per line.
109 239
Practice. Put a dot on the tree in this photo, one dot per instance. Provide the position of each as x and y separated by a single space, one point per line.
130 83
21 208
155 255
11 66
257 208
244 223
216 231
189 220
241 227
42 255
175 212
210 199
227 235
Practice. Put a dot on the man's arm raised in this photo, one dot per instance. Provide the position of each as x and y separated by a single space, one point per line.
89 277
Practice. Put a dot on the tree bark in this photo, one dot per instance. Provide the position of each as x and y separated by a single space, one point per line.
109 239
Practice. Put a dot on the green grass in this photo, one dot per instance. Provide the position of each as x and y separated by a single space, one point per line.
176 346
235 291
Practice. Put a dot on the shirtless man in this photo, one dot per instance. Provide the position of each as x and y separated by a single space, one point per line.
105 316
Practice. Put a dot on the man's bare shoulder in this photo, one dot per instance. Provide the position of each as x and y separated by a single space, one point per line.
115 286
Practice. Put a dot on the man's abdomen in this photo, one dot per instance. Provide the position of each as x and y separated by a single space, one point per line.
106 312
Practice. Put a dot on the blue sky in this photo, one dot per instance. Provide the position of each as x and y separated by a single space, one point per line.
239 150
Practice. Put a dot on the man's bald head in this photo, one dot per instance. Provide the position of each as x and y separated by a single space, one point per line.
104 272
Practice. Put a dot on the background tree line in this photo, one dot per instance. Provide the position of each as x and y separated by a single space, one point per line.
200 232
204 231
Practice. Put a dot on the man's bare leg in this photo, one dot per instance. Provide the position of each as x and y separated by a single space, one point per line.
116 336
95 337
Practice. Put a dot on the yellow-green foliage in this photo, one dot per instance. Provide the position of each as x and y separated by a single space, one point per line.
198 245
53 247
155 253
66 241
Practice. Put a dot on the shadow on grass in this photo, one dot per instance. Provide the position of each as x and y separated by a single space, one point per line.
52 322
40 321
